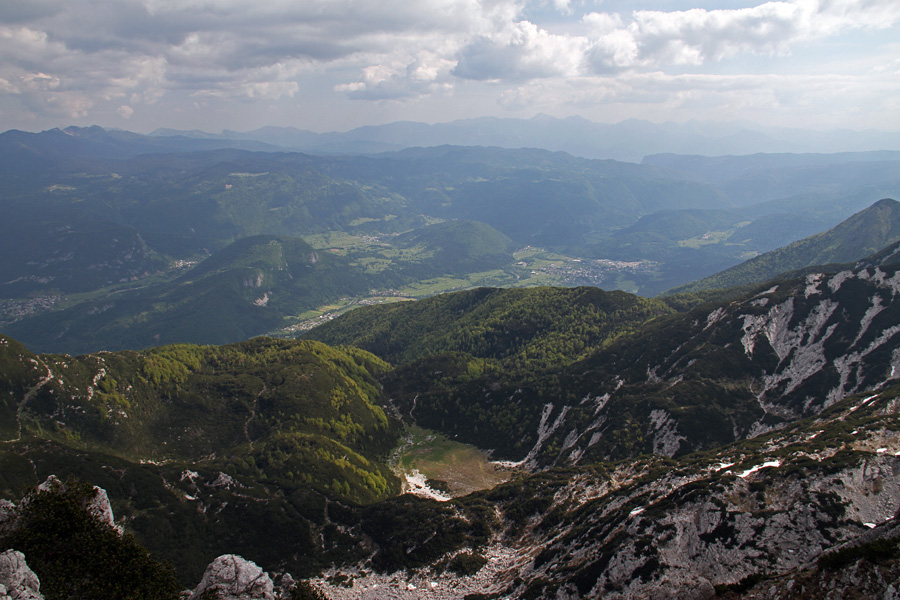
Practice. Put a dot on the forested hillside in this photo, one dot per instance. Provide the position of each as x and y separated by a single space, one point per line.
260 432
771 415
862 234
681 382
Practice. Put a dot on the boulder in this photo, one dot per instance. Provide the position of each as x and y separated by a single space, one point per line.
230 577
17 580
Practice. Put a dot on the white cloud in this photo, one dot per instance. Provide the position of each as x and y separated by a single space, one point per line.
655 39
522 51
72 57
408 78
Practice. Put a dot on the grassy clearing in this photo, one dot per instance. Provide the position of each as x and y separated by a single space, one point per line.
710 237
462 468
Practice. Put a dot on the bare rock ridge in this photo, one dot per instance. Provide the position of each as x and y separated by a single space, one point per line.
784 353
771 509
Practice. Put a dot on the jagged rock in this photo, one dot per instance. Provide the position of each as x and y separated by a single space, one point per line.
17 580
99 506
231 577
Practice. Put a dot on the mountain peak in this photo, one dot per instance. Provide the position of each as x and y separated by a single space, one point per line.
866 233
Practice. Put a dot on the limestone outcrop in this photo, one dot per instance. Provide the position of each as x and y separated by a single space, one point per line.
231 577
17 580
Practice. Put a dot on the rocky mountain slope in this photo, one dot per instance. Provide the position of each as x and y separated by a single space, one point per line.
680 383
709 525
720 451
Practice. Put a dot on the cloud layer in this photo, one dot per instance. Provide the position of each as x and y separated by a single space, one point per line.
110 61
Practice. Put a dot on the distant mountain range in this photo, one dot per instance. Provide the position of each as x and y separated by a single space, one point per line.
710 443
629 140
105 232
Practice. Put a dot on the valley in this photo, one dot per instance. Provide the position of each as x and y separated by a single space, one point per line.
453 372
129 247
439 468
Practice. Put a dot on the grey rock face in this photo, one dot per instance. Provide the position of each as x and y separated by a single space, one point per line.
99 507
231 577
17 580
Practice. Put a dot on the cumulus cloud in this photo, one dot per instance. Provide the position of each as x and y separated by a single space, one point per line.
522 51
423 75
71 57
697 36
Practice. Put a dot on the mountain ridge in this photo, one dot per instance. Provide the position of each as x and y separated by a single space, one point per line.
865 233
681 455
629 140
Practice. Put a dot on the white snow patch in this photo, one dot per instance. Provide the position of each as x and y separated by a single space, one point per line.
765 465
417 484
635 512
863 403
870 525
507 464
721 466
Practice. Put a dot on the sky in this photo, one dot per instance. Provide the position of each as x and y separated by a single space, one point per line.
332 65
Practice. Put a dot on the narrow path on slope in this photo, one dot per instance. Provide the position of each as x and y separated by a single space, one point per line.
28 396
252 415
